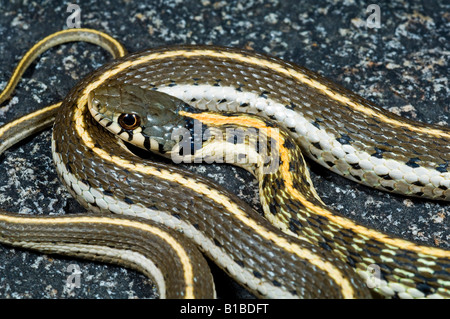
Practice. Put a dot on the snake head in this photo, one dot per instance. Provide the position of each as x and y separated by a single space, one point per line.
143 117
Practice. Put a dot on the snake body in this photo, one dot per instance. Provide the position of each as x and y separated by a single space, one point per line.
317 251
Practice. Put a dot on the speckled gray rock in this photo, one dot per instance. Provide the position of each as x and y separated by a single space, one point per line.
403 66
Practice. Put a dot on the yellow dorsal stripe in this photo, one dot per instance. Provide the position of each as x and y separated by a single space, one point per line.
275 67
317 85
335 273
184 258
330 269
27 117
64 36
319 210
82 101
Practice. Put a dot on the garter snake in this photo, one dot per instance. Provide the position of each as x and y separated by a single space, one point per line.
374 148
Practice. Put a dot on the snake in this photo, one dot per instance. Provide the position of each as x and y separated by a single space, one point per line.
251 110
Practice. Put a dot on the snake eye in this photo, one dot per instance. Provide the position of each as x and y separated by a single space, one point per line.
129 121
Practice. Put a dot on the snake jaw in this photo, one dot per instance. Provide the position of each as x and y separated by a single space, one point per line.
158 112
